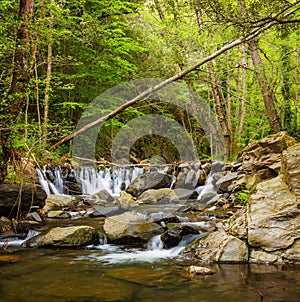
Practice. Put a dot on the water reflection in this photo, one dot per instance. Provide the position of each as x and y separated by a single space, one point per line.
75 275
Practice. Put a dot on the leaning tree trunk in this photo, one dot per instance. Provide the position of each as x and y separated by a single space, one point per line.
267 94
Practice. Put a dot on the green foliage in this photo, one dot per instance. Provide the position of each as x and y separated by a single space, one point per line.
99 44
242 197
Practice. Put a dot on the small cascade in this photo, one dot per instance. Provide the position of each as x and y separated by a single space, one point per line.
154 252
91 180
208 187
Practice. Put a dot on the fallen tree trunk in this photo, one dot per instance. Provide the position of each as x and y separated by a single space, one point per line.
253 34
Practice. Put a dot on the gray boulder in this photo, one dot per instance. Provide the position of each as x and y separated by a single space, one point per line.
74 236
165 195
153 180
130 228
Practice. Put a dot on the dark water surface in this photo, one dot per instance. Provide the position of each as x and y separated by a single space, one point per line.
89 275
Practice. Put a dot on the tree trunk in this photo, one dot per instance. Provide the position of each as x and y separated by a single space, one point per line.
267 94
17 95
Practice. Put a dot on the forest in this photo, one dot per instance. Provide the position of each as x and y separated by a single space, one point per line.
240 57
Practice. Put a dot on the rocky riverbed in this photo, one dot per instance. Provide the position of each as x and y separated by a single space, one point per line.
247 211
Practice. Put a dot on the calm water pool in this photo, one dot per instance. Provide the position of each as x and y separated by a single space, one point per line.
100 275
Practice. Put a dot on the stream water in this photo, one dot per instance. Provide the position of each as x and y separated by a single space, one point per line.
108 273
90 275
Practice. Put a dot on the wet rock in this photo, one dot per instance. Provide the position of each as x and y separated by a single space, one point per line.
273 216
293 253
153 180
219 247
34 216
291 168
207 196
32 196
164 195
257 256
106 212
174 235
199 270
74 236
58 214
185 194
5 225
103 196
73 188
130 228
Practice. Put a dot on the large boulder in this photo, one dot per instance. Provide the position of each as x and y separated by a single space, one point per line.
273 216
32 197
262 159
73 236
130 228
153 180
219 247
291 168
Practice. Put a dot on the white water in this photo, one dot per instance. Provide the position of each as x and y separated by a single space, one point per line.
92 180
208 187
153 253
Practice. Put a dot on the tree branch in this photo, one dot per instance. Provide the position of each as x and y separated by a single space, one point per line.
253 34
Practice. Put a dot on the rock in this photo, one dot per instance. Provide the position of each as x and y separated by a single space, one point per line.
103 196
57 202
263 257
262 159
73 188
293 253
130 228
219 247
32 196
74 236
273 216
199 270
58 214
224 183
164 195
5 225
236 225
106 212
291 168
185 194
174 235
34 216
207 196
275 143
126 200
153 180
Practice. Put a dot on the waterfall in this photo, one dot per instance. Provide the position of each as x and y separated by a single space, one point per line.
208 187
92 180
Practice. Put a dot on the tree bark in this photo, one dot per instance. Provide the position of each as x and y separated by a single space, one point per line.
17 94
267 94
253 34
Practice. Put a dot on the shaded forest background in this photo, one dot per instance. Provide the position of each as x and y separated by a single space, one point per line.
57 56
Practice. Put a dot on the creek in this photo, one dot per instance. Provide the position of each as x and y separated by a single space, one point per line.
89 275
106 272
